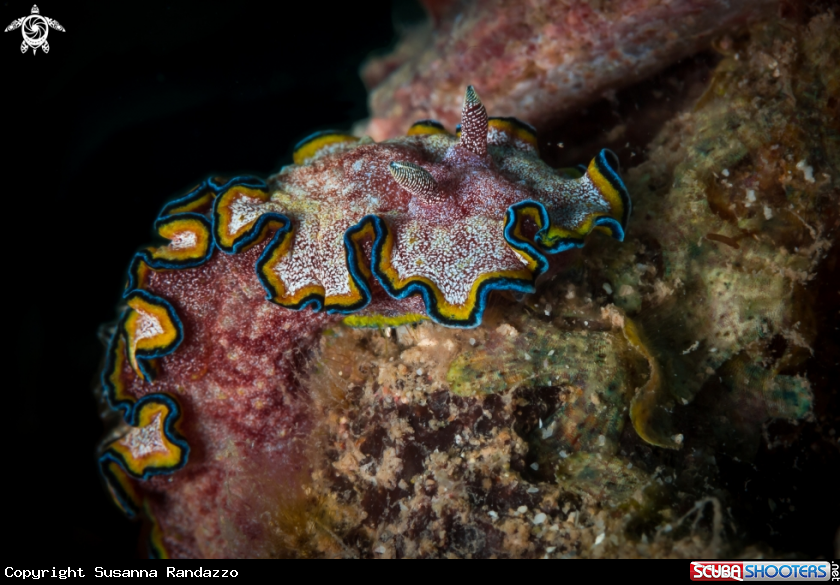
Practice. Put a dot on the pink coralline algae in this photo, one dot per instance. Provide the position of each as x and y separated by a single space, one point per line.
539 59
203 366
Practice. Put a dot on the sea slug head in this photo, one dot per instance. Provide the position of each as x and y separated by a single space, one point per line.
483 211
497 158
573 201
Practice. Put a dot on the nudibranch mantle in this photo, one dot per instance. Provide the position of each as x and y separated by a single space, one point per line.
388 233
447 217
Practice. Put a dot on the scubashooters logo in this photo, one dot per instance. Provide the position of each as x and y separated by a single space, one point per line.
760 571
35 29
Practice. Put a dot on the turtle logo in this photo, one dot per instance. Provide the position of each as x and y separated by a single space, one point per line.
35 28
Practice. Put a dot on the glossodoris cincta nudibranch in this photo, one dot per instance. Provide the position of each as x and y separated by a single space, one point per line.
421 227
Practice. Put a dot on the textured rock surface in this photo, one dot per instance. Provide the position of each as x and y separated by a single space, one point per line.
537 60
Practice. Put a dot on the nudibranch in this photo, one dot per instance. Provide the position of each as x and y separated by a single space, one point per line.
447 218
421 227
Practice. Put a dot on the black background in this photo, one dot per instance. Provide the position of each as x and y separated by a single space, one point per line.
135 103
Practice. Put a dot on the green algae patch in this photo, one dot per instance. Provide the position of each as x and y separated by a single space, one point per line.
610 480
541 355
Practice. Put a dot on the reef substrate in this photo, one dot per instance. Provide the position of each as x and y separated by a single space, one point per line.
539 60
